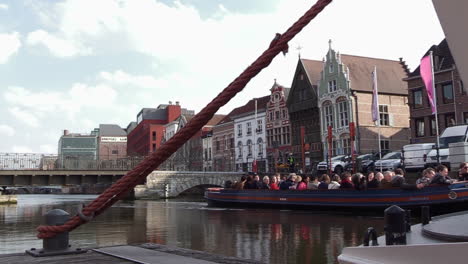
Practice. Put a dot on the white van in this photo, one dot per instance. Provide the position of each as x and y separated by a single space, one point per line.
453 134
415 155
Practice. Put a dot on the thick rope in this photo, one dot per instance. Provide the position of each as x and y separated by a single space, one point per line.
142 170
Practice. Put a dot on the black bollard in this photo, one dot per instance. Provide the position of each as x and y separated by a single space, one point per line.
408 220
370 235
57 245
395 226
425 215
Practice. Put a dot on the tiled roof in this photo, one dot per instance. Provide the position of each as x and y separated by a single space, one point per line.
313 69
390 74
215 120
250 107
445 59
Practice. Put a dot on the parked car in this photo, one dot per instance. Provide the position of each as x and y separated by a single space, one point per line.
415 155
453 134
390 161
338 164
364 163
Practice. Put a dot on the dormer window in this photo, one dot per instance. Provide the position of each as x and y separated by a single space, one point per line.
330 68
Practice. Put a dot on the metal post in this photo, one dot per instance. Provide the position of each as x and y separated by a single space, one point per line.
425 215
395 226
57 245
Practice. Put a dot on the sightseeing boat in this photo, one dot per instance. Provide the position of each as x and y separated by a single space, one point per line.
454 194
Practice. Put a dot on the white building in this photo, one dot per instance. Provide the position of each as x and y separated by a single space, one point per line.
250 135
207 143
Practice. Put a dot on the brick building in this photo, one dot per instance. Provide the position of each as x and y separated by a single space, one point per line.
304 112
223 145
278 128
345 96
112 142
451 98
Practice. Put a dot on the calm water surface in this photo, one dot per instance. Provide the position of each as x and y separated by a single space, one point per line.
267 235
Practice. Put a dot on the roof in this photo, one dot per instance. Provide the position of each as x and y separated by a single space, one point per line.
215 120
390 74
313 70
111 130
250 107
153 114
445 58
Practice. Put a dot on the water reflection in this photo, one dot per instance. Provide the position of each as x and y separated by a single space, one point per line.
270 236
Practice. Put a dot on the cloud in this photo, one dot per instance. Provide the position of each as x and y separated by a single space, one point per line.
21 149
10 45
48 148
7 130
57 46
25 116
120 77
3 7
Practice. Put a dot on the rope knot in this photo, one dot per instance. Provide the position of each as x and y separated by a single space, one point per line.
275 41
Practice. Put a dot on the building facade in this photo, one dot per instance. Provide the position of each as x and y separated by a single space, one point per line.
223 145
207 144
345 97
112 142
78 151
451 97
250 136
278 128
304 115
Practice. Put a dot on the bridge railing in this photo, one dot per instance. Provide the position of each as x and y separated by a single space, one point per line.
34 161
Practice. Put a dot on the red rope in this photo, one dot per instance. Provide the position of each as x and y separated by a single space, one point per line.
142 170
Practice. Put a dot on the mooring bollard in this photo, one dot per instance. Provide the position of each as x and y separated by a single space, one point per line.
57 245
395 226
370 235
408 220
425 215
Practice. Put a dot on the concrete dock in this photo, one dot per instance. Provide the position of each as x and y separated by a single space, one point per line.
145 254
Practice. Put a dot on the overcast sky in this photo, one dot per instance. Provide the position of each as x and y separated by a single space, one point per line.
76 64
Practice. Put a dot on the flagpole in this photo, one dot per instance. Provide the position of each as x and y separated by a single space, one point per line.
378 115
434 92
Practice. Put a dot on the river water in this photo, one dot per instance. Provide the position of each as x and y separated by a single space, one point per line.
266 235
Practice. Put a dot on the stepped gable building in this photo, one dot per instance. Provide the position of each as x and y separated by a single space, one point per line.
345 96
304 112
112 142
451 98
223 145
249 135
278 127
146 135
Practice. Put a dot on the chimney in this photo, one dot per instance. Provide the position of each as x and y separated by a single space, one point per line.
65 132
170 102
177 102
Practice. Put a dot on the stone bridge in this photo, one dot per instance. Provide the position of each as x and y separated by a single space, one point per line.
168 184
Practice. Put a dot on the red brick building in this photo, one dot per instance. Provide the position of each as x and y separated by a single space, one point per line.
451 98
223 145
146 135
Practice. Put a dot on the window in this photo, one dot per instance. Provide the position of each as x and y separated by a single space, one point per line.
328 115
284 114
330 68
225 142
433 127
343 114
384 146
332 86
249 148
384 117
449 120
209 153
447 90
154 135
271 116
154 147
417 98
346 144
260 146
115 152
239 130
217 144
249 128
277 115
465 117
259 126
419 127
206 154
239 147
232 142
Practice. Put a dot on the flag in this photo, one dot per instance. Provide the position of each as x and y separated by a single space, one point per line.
375 97
427 76
254 165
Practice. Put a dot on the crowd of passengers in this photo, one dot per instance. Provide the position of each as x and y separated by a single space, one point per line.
357 181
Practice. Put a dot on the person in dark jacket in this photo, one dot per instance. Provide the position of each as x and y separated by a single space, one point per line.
441 176
399 181
285 185
324 182
346 181
463 172
372 181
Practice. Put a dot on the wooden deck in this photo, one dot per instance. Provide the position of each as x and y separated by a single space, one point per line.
146 253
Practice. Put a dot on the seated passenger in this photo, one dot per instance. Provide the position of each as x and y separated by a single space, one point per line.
359 181
257 182
387 180
463 172
240 184
313 183
398 179
250 183
335 182
286 184
265 185
441 176
274 183
324 182
346 181
372 181
301 185
427 176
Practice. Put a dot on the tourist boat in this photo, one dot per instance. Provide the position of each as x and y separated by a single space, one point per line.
314 199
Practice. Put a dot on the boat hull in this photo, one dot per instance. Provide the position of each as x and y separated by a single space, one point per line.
442 196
